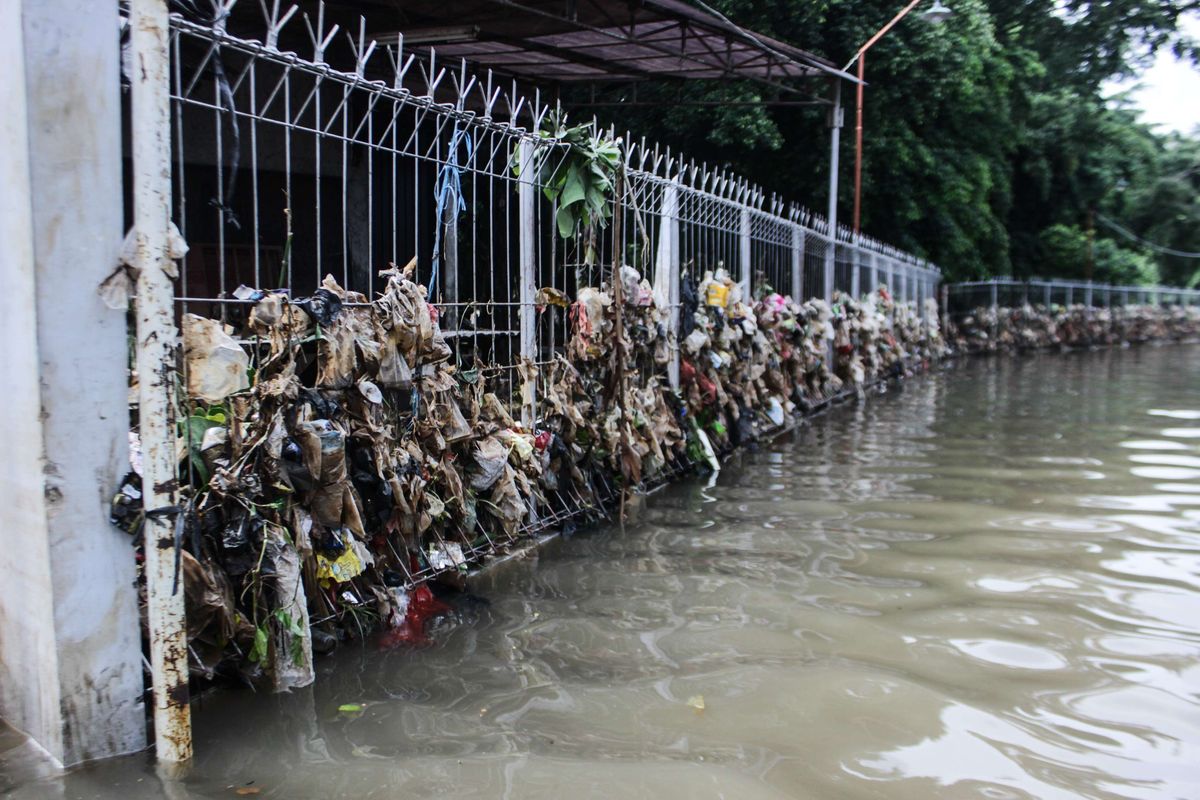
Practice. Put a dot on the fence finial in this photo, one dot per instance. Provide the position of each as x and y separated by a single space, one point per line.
320 39
362 49
275 22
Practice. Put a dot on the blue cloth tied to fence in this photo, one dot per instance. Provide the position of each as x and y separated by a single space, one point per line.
448 191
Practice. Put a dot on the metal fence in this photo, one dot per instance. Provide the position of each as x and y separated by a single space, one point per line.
965 297
289 168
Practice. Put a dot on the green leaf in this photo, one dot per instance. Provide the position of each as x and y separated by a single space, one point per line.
574 189
258 653
566 222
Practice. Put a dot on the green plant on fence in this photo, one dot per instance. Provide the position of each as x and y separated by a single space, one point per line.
576 166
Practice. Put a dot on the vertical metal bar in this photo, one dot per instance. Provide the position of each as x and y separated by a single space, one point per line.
797 291
1070 294
1046 295
317 126
835 141
527 236
874 272
256 237
744 254
450 252
1087 295
156 344
995 295
855 277
945 309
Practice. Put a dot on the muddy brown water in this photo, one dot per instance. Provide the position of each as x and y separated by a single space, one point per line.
984 584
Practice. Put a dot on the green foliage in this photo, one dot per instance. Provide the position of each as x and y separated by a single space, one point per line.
295 630
988 144
258 652
576 167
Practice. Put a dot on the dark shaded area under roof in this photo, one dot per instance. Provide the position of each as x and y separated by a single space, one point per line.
573 42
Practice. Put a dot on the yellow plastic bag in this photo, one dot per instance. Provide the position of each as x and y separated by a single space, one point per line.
345 567
717 294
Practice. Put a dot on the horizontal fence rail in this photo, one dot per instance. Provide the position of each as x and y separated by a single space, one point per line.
1011 293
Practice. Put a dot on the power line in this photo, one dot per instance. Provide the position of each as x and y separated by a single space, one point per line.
1128 234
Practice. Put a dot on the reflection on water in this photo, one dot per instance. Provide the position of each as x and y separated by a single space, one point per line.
984 585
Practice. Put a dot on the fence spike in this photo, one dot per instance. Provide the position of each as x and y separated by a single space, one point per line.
275 22
361 48
320 39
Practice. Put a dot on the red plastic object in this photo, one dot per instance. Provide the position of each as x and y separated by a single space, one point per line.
422 607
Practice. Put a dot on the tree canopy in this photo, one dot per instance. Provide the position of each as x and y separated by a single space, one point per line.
989 149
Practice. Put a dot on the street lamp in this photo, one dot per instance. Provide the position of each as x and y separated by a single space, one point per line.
935 15
939 13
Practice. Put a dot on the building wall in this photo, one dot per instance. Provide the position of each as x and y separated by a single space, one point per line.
28 657
70 654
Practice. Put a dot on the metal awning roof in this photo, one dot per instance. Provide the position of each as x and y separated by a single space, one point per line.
581 41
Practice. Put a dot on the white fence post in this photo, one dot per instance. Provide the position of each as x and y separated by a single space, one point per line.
667 269
527 234
798 264
874 272
828 273
156 346
855 269
744 255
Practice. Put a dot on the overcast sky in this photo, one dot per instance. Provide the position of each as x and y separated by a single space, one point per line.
1170 89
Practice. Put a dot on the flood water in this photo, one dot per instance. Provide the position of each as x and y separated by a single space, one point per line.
984 584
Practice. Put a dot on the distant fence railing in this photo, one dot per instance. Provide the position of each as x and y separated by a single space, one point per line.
1011 293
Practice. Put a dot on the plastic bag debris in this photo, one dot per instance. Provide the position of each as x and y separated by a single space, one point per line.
216 364
362 455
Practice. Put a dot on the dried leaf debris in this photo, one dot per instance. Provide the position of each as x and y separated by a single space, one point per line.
335 454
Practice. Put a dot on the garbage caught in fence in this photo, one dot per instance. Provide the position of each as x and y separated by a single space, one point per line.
416 336
1005 315
339 457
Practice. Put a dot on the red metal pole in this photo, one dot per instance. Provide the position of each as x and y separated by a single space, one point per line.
861 57
858 145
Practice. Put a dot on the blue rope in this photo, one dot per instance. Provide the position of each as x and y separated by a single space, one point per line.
449 188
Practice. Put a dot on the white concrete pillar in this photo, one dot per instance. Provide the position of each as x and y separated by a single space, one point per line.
70 644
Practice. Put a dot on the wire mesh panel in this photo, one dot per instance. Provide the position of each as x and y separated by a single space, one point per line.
816 245
843 270
710 235
771 254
